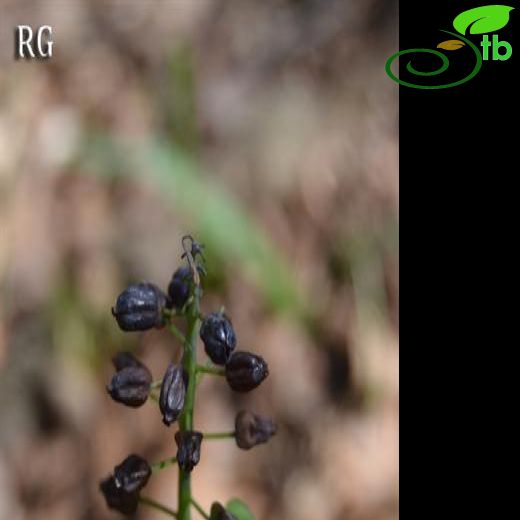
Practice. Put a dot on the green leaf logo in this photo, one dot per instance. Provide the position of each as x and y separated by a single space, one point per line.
239 510
485 19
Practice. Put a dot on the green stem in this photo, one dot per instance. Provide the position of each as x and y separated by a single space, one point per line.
186 419
170 313
219 435
215 371
199 509
157 466
156 505
177 333
156 384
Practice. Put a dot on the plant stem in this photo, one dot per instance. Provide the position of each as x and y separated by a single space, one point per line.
186 419
163 464
219 435
177 333
156 505
156 384
199 509
215 371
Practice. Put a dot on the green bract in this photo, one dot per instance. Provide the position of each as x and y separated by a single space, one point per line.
239 509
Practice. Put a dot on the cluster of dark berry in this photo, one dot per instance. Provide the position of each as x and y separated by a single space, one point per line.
144 306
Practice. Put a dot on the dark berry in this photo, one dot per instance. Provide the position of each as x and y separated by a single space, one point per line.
245 371
188 452
130 385
179 287
252 429
139 307
132 474
117 498
121 490
173 392
125 359
219 513
218 337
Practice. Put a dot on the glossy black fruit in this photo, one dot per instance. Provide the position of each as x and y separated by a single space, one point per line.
188 452
139 307
117 498
173 393
132 474
245 371
125 359
131 384
179 287
218 337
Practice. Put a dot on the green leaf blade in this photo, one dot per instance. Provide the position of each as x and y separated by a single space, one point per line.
239 509
481 20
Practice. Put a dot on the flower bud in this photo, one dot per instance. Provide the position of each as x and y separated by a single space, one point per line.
139 307
132 474
173 392
179 287
252 429
130 385
219 513
188 452
218 336
245 371
117 498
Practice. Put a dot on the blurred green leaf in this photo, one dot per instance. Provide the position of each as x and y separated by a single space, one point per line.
217 219
178 100
239 509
